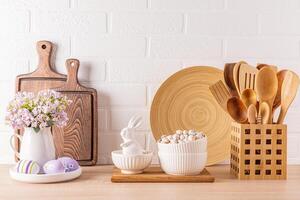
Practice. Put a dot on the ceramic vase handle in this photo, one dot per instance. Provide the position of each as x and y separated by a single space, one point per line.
13 146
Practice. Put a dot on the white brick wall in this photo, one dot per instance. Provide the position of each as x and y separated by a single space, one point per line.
128 47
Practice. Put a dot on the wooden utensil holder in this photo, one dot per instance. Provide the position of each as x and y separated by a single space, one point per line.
258 151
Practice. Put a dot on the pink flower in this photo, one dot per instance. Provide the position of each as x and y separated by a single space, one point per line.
45 109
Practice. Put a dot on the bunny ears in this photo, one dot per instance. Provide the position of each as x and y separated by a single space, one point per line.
135 121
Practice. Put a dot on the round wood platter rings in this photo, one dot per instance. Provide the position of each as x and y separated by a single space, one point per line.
184 102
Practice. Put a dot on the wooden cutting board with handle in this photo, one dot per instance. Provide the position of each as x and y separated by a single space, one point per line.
42 78
78 139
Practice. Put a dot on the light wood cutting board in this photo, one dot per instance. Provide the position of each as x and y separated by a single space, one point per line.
78 139
156 175
185 102
42 78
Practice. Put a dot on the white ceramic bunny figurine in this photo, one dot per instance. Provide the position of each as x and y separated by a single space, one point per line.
130 145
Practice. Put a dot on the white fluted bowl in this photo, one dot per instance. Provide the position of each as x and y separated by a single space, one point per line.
197 146
182 164
131 164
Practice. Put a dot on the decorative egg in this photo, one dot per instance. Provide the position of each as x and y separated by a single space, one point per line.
53 167
69 163
28 167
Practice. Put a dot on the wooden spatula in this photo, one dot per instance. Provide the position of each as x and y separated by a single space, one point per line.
221 93
289 90
247 76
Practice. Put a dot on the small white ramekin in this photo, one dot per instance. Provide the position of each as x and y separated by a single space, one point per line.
197 146
131 164
182 164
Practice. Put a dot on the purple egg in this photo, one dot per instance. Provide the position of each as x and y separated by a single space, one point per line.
53 167
69 163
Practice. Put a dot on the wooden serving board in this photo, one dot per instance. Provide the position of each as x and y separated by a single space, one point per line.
42 78
78 139
156 175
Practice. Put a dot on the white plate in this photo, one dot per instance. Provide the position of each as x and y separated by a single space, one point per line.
44 178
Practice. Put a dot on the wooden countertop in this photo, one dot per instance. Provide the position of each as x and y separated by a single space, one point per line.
95 184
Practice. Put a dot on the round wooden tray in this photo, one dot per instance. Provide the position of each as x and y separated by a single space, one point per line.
184 102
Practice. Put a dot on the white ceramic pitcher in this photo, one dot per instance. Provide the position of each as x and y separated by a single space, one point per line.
36 146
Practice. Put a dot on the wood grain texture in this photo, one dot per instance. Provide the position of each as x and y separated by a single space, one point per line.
289 90
76 136
185 102
259 151
220 93
156 175
266 87
229 73
237 110
280 76
79 137
247 76
42 78
95 184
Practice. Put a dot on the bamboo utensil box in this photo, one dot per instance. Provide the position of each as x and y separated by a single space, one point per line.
258 151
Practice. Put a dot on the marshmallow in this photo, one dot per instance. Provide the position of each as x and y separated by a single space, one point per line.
181 137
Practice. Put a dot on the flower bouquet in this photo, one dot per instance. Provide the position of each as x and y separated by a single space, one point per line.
36 114
46 109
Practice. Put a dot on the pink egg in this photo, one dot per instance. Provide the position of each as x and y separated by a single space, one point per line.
53 167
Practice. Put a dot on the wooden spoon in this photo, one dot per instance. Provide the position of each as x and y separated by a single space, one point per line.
228 77
252 114
249 97
237 110
280 76
264 112
289 90
261 65
266 87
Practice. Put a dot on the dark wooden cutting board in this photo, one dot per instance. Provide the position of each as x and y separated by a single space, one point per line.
79 137
42 78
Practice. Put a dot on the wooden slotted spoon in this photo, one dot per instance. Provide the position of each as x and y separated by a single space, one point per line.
247 76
